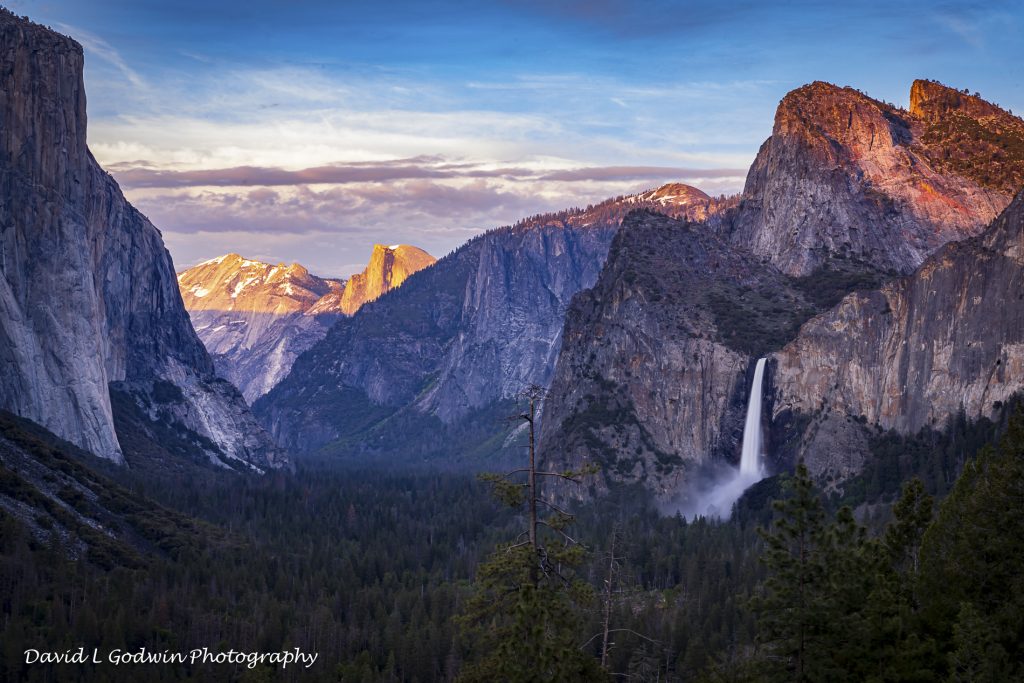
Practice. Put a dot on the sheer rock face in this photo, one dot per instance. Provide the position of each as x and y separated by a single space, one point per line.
931 101
654 372
389 267
948 338
846 175
478 327
642 387
255 318
88 297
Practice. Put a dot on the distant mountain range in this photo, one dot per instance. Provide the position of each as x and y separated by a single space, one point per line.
255 318
431 368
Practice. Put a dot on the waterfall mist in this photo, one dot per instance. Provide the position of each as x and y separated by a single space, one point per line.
716 496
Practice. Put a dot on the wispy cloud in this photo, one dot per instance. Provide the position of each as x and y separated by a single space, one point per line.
144 174
309 134
96 46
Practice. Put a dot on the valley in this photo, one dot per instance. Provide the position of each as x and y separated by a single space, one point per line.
768 430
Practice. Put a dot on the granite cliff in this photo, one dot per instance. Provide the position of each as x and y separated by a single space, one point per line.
444 354
844 175
388 268
945 340
651 381
88 299
847 194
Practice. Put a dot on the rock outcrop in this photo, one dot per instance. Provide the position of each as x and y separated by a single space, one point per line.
88 298
388 268
457 340
947 339
699 205
844 175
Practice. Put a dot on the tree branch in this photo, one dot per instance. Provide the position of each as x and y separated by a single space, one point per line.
561 475
619 630
567 536
554 507
509 474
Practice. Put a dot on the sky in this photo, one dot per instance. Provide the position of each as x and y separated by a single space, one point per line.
308 130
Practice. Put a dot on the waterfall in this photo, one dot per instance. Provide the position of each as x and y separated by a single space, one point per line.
717 499
750 460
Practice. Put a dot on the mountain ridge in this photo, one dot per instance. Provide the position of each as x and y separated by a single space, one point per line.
460 337
255 318
864 182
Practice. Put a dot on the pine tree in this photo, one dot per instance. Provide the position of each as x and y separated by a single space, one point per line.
977 656
789 607
895 647
972 562
523 624
813 608
912 514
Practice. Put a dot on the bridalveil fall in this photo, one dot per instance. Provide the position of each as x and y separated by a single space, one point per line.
718 501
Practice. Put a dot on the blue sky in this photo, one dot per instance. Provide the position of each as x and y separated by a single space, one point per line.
308 130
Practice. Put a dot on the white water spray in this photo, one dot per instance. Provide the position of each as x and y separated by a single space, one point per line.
719 500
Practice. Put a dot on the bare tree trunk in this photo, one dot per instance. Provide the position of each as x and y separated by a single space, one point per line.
533 477
608 603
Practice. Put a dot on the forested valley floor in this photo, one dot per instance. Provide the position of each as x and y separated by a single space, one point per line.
371 566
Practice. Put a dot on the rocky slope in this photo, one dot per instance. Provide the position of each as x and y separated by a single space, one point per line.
88 299
255 318
846 175
965 135
444 354
946 339
46 485
846 194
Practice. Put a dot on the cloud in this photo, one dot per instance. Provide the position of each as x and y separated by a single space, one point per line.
327 228
346 210
95 45
145 174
